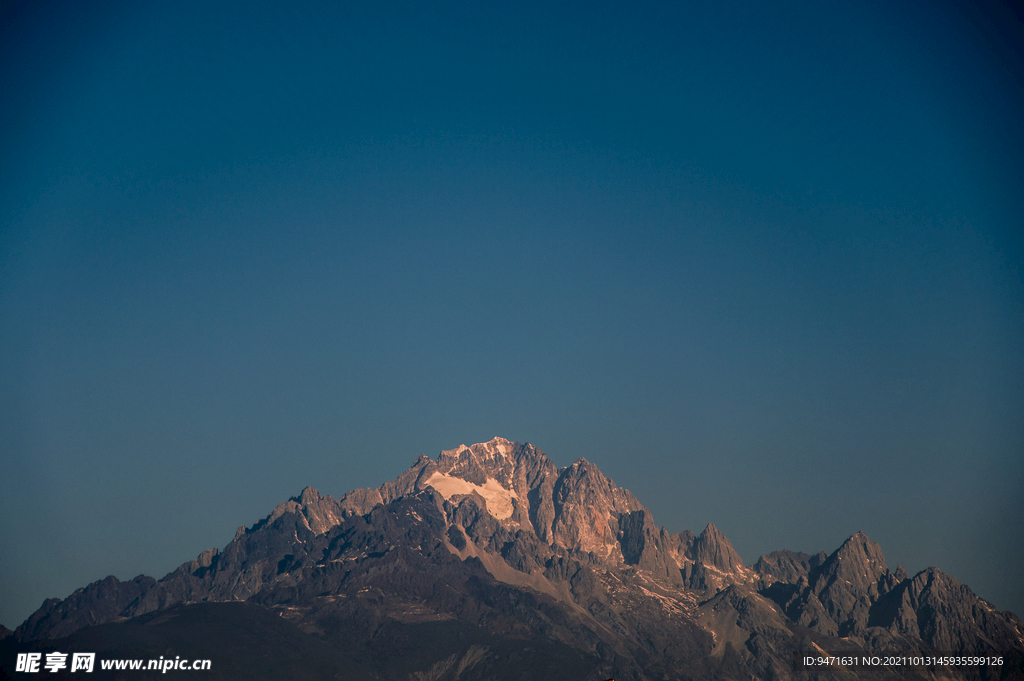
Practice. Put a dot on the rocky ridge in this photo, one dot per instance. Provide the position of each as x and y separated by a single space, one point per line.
495 537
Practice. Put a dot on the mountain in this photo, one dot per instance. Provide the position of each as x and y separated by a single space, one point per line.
492 563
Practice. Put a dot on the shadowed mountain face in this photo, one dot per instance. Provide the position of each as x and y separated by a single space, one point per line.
492 563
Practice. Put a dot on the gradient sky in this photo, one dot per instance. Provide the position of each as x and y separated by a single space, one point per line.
760 262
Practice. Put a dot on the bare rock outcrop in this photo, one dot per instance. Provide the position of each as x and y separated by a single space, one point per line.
495 543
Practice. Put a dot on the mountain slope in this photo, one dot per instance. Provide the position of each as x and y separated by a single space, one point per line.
496 544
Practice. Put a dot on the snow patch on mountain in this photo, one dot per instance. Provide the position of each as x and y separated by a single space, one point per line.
501 445
499 499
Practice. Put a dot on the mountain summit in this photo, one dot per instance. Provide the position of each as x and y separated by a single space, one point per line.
490 562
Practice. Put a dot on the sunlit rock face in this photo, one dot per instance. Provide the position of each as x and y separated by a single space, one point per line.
577 507
492 543
501 472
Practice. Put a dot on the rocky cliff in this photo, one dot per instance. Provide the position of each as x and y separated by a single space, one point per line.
494 545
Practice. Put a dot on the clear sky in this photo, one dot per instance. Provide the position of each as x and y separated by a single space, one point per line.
760 262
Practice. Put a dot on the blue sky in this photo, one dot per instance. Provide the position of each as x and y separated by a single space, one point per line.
761 264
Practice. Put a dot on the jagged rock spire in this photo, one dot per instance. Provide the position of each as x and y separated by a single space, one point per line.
713 549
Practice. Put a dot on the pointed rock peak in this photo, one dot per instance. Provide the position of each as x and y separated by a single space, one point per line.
309 495
583 466
858 561
712 533
935 579
713 549
584 472
451 452
712 536
861 547
496 447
